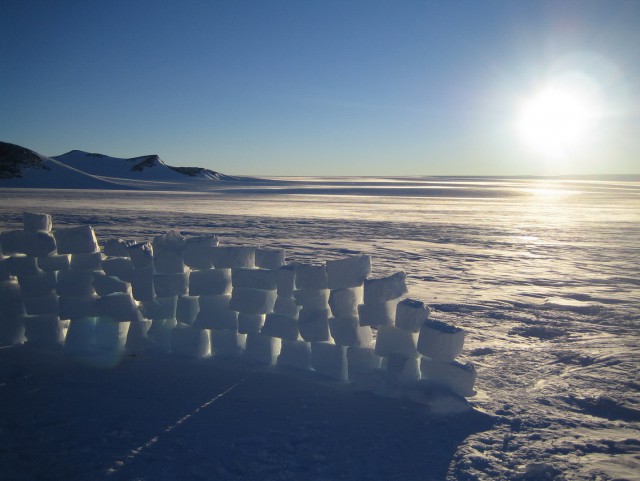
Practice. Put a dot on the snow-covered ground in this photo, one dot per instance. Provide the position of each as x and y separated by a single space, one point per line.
543 274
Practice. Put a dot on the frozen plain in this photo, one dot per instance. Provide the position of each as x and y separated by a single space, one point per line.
543 274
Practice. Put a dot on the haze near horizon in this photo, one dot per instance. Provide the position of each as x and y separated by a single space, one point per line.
329 88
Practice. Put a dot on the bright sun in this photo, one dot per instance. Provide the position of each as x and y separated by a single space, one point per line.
557 120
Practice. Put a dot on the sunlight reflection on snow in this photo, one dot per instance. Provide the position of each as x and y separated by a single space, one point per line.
550 192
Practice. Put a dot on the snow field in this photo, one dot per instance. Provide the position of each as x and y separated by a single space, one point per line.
192 297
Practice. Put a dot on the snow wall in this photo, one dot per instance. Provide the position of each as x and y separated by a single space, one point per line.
192 297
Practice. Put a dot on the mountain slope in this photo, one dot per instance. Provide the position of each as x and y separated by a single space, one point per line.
21 167
14 158
146 167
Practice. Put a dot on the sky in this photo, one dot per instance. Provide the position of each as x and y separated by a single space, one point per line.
331 87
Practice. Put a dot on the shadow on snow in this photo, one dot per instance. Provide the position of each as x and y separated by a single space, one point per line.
157 417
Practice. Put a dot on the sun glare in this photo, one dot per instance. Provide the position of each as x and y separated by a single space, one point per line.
557 119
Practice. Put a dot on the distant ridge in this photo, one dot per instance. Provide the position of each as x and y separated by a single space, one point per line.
151 166
202 172
22 167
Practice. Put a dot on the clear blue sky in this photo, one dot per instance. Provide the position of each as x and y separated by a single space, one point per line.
317 87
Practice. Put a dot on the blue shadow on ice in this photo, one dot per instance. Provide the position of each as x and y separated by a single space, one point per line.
158 417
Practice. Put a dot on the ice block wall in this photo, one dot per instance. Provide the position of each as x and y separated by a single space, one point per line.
191 296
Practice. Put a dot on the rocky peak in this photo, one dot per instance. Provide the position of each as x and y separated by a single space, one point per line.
13 158
144 162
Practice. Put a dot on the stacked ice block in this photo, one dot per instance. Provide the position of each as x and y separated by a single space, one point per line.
192 334
192 297
27 293
354 340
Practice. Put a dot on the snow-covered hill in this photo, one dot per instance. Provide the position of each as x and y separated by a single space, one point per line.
146 167
21 167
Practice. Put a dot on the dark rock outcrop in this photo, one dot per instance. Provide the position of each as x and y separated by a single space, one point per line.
14 158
